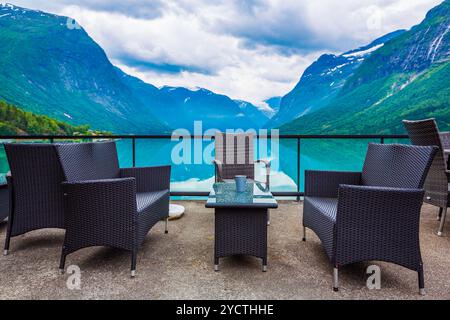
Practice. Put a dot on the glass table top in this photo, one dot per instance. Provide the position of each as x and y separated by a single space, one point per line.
256 195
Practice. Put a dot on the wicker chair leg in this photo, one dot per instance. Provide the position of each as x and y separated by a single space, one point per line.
8 236
62 262
421 282
440 214
304 234
166 230
7 242
336 279
442 225
216 264
133 263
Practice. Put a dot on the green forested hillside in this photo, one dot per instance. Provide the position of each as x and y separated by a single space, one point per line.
373 108
48 68
407 78
51 69
14 121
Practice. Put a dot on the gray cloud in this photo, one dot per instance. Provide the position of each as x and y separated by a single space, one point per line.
247 49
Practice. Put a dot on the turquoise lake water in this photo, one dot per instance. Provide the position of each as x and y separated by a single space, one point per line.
316 154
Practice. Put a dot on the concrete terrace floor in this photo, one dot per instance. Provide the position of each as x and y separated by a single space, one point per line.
179 265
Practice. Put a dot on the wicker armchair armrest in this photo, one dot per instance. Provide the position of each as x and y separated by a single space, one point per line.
9 178
149 179
267 164
378 223
218 165
326 183
100 212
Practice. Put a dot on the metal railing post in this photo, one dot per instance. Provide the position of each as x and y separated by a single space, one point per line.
133 144
298 167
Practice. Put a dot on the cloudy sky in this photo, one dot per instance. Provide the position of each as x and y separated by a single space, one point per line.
250 50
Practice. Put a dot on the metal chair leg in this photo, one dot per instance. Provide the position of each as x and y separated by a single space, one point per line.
421 282
62 262
216 264
304 234
166 230
7 242
335 279
440 214
133 263
442 225
9 227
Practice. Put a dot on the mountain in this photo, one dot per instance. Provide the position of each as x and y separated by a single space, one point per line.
52 67
14 121
48 68
273 104
258 115
407 78
323 80
215 110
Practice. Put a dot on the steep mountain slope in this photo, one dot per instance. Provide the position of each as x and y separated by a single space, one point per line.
216 111
406 78
274 104
323 80
48 68
257 115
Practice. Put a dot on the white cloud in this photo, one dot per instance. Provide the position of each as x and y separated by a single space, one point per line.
250 50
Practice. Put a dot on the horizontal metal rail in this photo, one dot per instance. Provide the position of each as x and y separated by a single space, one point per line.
205 194
298 137
282 136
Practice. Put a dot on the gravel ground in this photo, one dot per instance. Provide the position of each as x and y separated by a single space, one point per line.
179 265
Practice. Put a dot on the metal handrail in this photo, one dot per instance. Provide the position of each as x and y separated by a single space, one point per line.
381 137
168 136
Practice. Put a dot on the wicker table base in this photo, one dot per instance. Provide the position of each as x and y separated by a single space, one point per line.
241 231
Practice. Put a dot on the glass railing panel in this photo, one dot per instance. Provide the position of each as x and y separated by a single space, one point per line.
283 166
4 167
332 155
397 141
197 174
189 172
125 152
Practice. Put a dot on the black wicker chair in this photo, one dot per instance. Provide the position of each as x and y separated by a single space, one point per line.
437 184
35 192
234 155
108 206
373 215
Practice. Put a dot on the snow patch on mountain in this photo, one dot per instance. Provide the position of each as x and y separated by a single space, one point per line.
363 52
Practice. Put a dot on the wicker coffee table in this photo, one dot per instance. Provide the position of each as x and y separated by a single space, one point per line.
241 220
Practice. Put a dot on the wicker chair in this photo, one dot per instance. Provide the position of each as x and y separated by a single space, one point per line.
437 184
35 192
373 214
108 206
235 156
